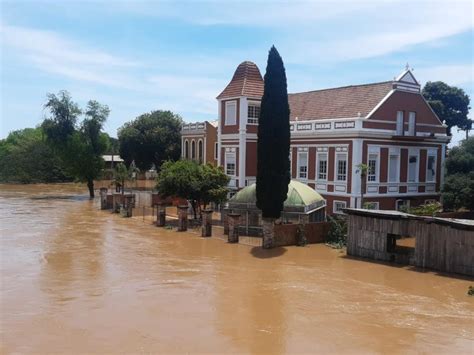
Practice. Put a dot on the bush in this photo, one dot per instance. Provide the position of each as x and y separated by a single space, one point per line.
429 209
337 236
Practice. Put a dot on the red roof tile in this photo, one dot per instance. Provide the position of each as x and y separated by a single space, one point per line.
247 81
343 102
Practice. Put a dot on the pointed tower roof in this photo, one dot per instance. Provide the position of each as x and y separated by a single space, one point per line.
247 81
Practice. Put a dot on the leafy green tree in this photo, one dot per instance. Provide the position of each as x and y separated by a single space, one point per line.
80 145
25 157
273 146
122 175
151 139
450 103
197 183
458 187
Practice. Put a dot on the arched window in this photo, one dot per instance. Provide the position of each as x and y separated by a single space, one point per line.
200 151
186 149
193 150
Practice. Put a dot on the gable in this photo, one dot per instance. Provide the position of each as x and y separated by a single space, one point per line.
406 101
407 77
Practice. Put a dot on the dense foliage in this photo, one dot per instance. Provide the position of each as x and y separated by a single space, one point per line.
80 145
427 209
25 157
450 103
337 235
199 184
151 139
458 188
273 147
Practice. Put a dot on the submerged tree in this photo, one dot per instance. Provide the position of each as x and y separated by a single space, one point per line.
197 183
79 145
273 163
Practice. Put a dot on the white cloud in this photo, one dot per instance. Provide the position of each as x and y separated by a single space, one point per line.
455 74
57 54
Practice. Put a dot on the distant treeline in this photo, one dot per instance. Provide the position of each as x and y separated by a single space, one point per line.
25 157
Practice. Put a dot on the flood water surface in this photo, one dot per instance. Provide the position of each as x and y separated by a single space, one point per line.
76 279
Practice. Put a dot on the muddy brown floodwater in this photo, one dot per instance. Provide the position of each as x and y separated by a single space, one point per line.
76 279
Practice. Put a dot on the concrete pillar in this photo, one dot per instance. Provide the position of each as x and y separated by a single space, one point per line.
206 229
161 215
103 198
234 222
182 218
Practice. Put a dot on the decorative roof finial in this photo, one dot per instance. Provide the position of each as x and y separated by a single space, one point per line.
407 67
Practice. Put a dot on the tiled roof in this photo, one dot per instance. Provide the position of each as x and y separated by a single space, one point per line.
343 102
247 81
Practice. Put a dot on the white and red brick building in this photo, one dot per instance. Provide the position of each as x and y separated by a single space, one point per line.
387 125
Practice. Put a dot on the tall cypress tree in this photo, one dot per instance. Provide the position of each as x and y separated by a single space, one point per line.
273 164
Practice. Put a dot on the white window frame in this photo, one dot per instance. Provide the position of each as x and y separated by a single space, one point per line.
375 176
336 165
299 166
291 162
253 120
228 121
406 202
193 155
411 123
186 149
200 158
318 161
417 168
226 158
397 171
431 153
400 127
335 210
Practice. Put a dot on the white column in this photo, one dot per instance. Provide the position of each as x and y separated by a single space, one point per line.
219 127
443 154
242 140
356 160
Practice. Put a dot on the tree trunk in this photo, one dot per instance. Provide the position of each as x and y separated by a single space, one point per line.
268 225
193 205
90 185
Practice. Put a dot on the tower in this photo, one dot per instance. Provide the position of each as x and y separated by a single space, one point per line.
238 112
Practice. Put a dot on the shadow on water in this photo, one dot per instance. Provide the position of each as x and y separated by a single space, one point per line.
410 268
261 253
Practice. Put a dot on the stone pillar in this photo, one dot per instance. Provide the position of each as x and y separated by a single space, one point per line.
268 225
206 229
116 202
225 220
103 198
128 205
182 218
234 222
161 215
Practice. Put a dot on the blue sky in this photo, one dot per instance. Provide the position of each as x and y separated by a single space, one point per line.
178 55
